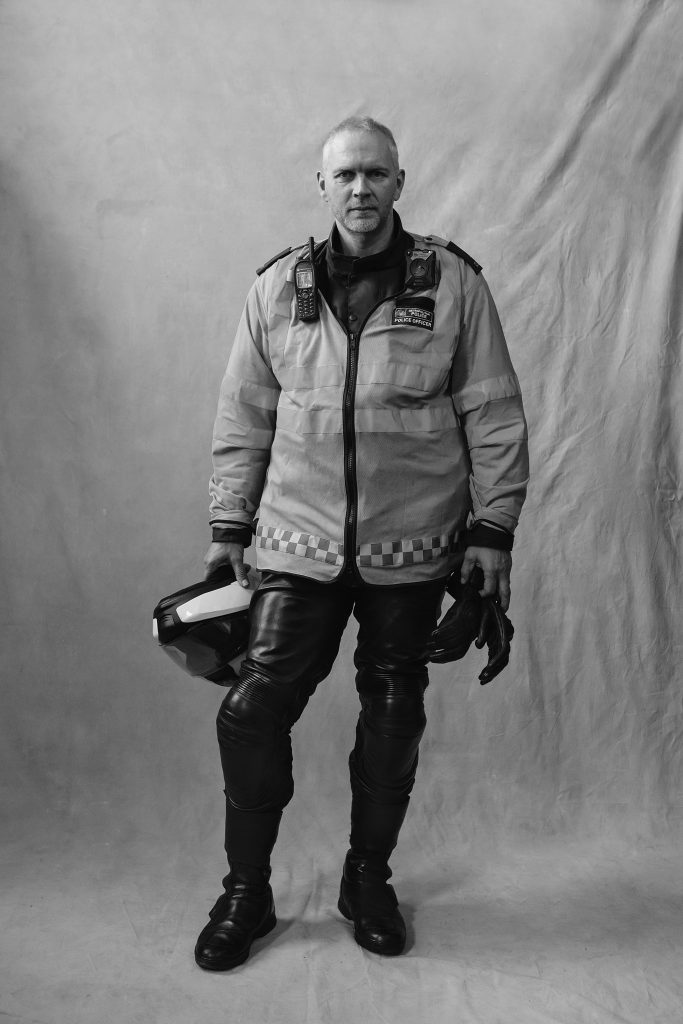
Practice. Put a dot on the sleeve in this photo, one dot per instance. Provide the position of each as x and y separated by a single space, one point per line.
488 402
245 421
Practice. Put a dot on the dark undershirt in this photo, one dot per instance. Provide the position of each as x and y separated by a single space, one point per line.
354 285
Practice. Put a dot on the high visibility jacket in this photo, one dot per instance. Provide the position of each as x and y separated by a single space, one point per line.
375 446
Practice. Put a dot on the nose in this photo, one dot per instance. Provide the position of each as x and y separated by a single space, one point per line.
361 186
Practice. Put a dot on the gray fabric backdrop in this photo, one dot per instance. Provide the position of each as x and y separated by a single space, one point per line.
153 154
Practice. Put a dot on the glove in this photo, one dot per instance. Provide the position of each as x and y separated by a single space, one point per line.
453 636
497 632
472 618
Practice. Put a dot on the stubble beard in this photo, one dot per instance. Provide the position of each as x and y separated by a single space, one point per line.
362 225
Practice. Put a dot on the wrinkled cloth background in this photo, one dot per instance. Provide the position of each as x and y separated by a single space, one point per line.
153 154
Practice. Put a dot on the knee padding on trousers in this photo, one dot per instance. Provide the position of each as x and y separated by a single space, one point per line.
251 714
393 705
256 752
390 727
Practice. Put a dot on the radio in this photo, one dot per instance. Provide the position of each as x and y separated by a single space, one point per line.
305 286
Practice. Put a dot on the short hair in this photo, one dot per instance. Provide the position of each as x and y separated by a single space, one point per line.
362 124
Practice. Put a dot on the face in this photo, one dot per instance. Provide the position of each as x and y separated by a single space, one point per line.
360 181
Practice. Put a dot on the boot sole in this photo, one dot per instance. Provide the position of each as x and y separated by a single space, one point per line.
227 963
343 908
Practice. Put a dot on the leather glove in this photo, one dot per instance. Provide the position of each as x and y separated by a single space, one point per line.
472 618
453 636
497 632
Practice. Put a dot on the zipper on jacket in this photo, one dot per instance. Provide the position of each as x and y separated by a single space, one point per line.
348 420
350 480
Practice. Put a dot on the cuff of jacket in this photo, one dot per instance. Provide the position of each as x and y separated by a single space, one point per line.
225 533
484 536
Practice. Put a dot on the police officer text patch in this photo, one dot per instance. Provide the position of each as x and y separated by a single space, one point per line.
414 312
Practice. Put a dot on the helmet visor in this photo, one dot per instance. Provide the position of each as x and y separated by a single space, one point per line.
213 649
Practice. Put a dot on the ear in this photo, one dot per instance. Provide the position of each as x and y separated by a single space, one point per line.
400 182
321 186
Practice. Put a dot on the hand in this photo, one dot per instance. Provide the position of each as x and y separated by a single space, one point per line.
496 566
220 554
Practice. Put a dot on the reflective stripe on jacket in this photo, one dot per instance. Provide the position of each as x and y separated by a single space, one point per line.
439 436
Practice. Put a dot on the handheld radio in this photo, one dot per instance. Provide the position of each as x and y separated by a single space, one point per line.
305 286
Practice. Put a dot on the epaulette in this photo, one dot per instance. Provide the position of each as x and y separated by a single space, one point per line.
452 247
319 246
269 263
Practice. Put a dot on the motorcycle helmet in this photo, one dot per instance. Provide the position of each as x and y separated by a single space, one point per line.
204 628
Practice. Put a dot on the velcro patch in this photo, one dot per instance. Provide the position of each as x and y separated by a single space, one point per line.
414 312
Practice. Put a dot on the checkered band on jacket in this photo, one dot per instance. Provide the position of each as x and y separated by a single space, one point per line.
304 544
399 552
406 552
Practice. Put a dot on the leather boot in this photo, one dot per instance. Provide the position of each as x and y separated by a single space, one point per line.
243 913
367 899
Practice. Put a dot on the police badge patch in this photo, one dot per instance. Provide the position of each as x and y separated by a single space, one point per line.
416 311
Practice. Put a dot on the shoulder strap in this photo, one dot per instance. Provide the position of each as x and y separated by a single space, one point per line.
452 247
317 251
269 263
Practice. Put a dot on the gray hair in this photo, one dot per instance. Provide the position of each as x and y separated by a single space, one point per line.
362 124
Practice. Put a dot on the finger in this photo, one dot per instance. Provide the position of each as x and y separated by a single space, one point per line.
504 592
237 563
490 584
466 568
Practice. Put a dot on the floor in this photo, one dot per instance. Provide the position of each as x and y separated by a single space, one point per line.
551 931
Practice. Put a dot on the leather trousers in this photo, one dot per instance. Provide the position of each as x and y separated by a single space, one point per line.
296 629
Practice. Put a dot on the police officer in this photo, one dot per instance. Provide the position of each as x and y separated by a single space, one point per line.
369 428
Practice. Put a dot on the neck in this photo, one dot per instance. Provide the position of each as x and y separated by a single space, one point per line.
358 244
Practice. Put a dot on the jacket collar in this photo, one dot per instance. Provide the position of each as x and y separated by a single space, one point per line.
339 264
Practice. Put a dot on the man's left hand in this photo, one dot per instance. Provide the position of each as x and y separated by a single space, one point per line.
496 566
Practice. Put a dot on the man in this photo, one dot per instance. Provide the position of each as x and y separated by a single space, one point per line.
375 436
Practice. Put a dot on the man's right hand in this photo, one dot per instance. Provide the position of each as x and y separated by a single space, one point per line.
220 554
